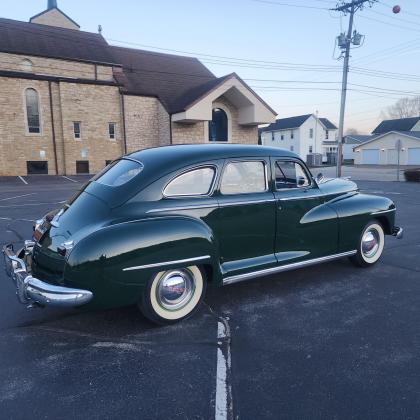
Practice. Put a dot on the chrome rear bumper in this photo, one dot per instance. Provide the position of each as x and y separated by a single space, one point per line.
32 291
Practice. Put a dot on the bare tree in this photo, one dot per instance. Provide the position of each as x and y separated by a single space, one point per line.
352 132
403 108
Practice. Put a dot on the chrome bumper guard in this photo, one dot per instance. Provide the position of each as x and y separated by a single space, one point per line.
398 232
31 291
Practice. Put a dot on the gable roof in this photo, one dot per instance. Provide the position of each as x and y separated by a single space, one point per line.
412 134
401 124
49 41
59 10
287 123
327 124
357 138
175 80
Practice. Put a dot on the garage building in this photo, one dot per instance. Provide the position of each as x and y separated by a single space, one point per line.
382 150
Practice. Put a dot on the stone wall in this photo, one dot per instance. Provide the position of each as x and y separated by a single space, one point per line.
55 67
93 106
54 17
17 146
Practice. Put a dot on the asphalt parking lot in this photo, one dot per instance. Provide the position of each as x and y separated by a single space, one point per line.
327 342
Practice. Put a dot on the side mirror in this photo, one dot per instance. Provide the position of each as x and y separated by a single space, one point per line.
319 178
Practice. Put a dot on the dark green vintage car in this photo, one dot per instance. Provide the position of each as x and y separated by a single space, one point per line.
156 226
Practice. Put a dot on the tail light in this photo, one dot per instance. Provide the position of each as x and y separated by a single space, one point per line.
65 248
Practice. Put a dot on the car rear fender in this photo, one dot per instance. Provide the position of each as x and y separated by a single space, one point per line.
128 253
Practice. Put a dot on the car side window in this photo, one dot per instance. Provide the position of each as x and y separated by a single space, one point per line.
290 174
244 178
195 182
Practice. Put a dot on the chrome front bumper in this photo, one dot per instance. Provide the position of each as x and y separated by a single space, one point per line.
32 291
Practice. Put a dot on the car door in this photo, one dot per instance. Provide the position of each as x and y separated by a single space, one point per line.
306 227
246 216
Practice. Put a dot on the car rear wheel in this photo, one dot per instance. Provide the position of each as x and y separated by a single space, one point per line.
371 245
173 295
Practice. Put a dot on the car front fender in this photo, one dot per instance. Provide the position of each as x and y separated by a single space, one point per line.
356 210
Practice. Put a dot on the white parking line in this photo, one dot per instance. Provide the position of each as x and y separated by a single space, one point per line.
22 180
18 196
30 205
223 409
72 180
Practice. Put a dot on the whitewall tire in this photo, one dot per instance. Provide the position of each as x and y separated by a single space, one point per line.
371 245
173 295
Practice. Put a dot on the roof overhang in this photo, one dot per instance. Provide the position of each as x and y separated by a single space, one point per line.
252 110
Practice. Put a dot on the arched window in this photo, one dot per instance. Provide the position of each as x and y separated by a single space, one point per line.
32 111
26 65
218 126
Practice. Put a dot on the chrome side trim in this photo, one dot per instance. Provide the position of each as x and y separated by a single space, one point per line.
245 203
142 267
287 267
206 206
303 197
194 207
383 211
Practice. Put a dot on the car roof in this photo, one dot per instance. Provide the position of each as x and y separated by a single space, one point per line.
183 155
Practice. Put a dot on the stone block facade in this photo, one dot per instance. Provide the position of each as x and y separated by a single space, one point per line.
140 122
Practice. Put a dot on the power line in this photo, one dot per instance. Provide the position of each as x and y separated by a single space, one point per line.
389 24
276 3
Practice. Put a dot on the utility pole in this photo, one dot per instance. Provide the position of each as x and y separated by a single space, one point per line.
344 42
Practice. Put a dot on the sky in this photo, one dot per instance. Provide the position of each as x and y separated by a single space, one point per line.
284 49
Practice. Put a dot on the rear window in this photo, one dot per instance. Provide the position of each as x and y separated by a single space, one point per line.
119 173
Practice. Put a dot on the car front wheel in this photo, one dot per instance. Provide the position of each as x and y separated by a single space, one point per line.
173 295
371 245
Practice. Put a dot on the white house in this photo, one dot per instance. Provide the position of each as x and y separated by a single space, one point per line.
303 134
381 148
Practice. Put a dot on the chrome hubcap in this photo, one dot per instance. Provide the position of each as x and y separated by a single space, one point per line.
370 243
175 289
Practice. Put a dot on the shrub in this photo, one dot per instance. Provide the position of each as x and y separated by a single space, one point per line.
412 175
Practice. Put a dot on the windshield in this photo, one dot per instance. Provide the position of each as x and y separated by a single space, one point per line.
119 172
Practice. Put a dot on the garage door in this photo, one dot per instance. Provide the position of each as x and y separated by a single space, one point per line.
370 156
413 156
392 156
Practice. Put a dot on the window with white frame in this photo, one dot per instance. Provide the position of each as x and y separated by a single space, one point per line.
77 130
272 136
282 137
32 111
327 134
112 131
311 133
292 134
311 149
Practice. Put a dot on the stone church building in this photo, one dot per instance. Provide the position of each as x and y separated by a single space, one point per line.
71 103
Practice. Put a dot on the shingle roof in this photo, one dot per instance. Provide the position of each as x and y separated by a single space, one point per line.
177 81
357 138
48 41
174 79
287 123
402 124
327 124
